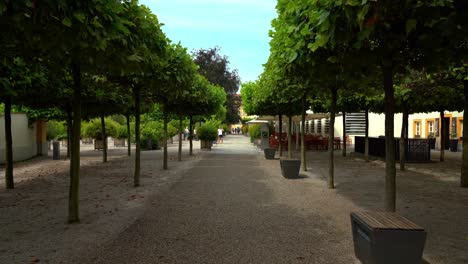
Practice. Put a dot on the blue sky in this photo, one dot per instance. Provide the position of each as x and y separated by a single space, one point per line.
239 27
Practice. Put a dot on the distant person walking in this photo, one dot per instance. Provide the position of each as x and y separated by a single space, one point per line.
220 135
186 134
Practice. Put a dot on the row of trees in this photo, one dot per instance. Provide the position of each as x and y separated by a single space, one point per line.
332 56
72 60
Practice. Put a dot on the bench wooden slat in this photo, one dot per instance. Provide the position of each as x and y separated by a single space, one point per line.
386 220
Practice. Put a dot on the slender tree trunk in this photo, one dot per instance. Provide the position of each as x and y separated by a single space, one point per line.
129 136
165 139
69 131
191 134
136 96
403 137
179 154
464 168
390 170
290 137
344 134
73 202
297 136
280 134
9 182
331 138
442 135
366 137
104 139
303 146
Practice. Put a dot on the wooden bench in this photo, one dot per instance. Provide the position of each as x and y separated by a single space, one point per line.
385 237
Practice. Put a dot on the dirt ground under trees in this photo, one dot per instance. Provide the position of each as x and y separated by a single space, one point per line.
33 216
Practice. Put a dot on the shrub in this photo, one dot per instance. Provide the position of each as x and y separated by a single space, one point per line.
208 131
56 130
121 131
245 129
255 131
152 130
93 128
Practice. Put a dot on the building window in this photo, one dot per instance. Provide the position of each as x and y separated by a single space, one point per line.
418 129
430 129
356 123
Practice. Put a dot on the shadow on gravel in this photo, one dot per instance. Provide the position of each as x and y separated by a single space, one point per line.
438 206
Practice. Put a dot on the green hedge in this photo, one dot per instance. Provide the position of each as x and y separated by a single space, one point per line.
93 129
56 130
245 129
208 131
255 131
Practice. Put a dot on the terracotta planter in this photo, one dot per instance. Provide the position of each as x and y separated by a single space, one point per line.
290 168
269 153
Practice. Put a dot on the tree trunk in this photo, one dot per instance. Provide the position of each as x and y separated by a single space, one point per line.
280 133
303 146
366 137
442 136
331 137
129 136
104 139
73 202
9 182
403 137
136 97
69 131
464 169
179 154
297 136
191 135
290 155
165 139
344 134
390 170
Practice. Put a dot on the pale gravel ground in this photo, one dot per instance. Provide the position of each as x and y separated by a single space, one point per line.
227 206
33 216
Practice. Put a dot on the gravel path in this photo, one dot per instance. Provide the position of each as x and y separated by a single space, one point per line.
230 208
228 205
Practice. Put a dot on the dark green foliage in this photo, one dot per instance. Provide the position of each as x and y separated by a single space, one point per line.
207 131
93 129
215 68
56 130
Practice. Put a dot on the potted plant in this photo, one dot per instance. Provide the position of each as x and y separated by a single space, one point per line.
93 129
120 136
290 168
255 134
207 133
454 142
151 135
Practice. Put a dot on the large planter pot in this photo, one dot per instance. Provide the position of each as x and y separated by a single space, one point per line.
206 144
269 153
290 168
454 145
119 142
98 144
